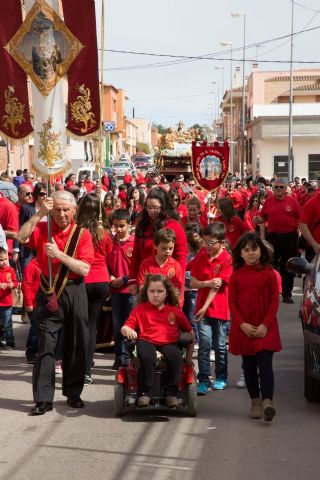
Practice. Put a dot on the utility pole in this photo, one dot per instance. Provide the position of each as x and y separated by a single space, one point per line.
290 148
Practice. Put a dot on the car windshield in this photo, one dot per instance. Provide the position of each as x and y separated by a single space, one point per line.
121 165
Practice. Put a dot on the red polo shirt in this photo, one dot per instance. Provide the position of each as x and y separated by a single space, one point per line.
170 269
7 275
311 216
9 218
38 241
282 215
158 326
205 268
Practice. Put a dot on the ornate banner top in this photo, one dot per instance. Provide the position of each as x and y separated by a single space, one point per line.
44 47
210 164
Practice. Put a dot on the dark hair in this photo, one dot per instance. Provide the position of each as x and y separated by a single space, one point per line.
194 240
164 235
172 194
254 241
88 214
130 195
172 298
3 250
166 211
194 228
122 187
194 201
109 195
37 189
216 230
251 201
18 173
121 214
226 207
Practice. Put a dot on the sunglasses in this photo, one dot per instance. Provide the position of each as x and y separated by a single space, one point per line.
42 194
28 194
279 187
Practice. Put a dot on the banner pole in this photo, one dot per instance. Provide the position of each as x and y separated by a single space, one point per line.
49 223
100 222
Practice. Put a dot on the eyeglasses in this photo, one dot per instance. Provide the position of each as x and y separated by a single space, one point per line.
153 209
192 184
28 194
211 243
42 194
279 187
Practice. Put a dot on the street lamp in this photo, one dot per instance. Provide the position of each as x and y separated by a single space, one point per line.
235 15
217 98
229 44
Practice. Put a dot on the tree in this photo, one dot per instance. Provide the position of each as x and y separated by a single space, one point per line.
143 147
161 129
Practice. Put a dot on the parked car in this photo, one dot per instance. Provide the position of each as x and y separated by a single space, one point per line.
310 317
120 168
84 171
141 162
9 191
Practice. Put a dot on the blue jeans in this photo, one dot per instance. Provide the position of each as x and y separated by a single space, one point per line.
6 320
121 304
189 306
32 340
213 331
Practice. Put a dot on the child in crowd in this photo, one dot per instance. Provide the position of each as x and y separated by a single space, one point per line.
119 260
8 281
162 262
30 287
123 195
194 214
194 243
210 274
155 323
254 302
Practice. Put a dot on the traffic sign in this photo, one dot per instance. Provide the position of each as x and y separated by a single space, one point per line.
109 126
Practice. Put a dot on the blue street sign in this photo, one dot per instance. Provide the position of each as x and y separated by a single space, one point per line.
109 126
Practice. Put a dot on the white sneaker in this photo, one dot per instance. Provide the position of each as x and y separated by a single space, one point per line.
58 367
196 346
241 382
212 356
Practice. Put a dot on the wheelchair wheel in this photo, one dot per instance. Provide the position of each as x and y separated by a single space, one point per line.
118 398
192 399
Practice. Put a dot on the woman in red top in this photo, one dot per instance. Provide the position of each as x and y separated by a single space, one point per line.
108 204
135 202
157 213
252 211
176 203
97 280
235 227
155 323
254 302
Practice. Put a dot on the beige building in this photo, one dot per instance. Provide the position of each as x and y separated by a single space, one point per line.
143 130
130 143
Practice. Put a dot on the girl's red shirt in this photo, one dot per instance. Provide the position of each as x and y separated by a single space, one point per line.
98 271
254 299
158 326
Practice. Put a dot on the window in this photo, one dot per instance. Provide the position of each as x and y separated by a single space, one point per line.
314 166
280 166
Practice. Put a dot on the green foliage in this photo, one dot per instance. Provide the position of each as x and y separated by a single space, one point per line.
161 129
143 147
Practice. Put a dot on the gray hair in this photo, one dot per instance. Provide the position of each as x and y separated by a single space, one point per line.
64 195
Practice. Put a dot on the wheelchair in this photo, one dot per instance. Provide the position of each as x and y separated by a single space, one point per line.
127 381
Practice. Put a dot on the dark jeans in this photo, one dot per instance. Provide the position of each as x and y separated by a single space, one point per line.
73 316
121 304
285 247
32 340
147 354
213 332
6 321
258 374
189 306
97 293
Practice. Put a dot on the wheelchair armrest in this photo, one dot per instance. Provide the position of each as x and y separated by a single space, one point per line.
185 339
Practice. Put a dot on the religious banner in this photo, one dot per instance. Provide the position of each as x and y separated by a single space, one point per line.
210 164
83 74
15 124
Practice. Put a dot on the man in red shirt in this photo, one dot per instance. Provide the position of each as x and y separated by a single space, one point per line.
71 252
282 212
310 226
9 220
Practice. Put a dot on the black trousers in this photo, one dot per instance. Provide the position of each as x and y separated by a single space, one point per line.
147 354
73 317
285 247
97 293
258 374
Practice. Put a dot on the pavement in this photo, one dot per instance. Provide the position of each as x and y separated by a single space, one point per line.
220 443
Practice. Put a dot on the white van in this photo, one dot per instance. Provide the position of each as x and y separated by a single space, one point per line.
84 171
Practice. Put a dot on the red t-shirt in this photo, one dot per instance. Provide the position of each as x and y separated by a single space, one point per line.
89 186
170 269
234 229
7 275
282 215
127 179
98 270
30 283
9 218
38 241
158 326
205 268
311 216
119 260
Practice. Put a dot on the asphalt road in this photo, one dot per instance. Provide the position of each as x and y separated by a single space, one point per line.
220 443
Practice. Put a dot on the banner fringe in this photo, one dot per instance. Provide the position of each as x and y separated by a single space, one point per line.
16 141
83 138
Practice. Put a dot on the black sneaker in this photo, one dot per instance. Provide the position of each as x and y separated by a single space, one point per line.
287 299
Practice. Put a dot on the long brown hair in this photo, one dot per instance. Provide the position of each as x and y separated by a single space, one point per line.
172 298
87 216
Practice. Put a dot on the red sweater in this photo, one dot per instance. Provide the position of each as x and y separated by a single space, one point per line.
144 247
254 299
98 271
30 283
119 260
158 326
7 275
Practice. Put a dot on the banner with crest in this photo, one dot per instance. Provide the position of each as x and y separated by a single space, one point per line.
83 74
210 164
15 123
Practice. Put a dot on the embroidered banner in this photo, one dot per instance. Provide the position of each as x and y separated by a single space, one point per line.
210 164
83 75
15 124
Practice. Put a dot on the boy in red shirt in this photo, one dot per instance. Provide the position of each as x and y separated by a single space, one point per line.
8 281
162 262
30 286
118 261
194 215
210 274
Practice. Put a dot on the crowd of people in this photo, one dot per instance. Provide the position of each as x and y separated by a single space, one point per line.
171 257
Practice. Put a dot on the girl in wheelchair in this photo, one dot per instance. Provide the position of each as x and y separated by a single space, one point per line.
155 324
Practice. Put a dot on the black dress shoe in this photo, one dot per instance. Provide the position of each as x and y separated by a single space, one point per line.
41 407
75 402
287 299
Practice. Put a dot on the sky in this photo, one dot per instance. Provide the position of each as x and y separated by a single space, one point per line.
194 28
